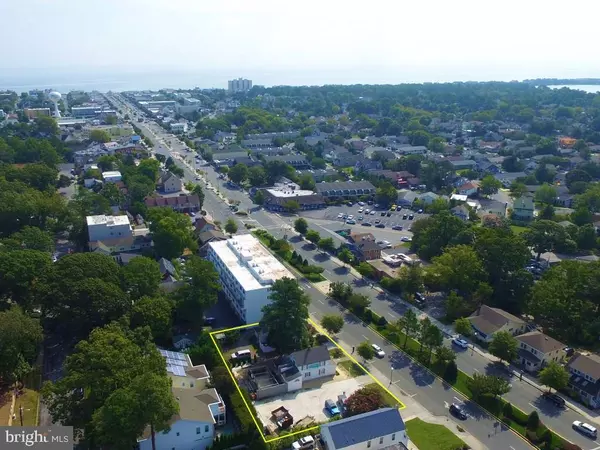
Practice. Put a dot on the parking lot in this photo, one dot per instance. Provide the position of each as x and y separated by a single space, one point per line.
309 402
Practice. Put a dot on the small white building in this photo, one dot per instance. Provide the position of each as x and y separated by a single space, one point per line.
112 176
179 127
375 430
247 271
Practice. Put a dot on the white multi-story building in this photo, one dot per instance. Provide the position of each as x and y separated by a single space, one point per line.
239 85
179 127
247 271
111 176
101 228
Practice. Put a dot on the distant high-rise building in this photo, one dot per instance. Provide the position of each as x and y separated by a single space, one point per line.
239 85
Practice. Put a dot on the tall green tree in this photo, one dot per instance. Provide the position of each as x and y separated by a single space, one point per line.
409 325
463 326
546 194
543 236
458 268
197 190
257 176
20 271
199 292
332 323
313 236
171 232
231 226
410 278
20 338
153 312
141 277
554 376
489 185
433 234
285 317
504 346
238 173
365 351
345 255
301 225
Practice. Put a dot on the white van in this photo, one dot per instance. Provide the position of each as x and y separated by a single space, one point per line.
242 354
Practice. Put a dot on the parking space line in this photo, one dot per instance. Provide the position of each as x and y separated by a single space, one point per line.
533 406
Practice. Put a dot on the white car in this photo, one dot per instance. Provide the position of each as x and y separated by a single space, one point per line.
360 210
304 443
340 215
367 211
350 217
372 213
460 342
405 239
378 350
361 203
585 428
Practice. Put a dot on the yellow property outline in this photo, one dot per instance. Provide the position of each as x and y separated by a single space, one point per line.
320 330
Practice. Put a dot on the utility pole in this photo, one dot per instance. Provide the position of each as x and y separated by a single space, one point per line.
21 414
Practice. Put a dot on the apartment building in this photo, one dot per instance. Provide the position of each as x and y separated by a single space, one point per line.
239 85
247 271
101 227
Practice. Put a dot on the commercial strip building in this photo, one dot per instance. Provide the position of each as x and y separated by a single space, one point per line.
345 190
247 271
277 197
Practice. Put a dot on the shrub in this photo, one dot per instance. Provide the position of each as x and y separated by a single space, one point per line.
507 410
531 436
320 339
533 421
451 372
569 446
382 322
367 314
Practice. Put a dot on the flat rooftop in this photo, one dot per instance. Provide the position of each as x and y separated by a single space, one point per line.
287 192
107 220
111 173
253 266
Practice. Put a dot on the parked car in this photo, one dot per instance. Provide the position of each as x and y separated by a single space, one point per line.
420 211
405 238
382 213
305 443
460 342
411 217
378 350
457 411
366 224
397 227
554 398
360 218
209 321
340 215
331 407
372 213
360 210
389 214
380 225
404 217
585 428
377 220
351 222
361 203
242 355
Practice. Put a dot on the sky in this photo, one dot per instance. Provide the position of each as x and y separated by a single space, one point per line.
308 41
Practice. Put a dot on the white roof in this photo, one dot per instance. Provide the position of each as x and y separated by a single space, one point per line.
253 266
107 220
459 197
111 173
288 192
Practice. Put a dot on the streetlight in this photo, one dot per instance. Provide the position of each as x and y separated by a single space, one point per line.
391 375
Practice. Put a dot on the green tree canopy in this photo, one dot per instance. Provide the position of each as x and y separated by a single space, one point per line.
141 277
238 173
554 376
154 312
332 323
285 317
100 136
546 194
199 292
432 234
489 185
301 225
504 346
171 232
231 226
365 351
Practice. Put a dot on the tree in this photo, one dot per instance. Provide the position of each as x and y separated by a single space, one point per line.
291 206
458 268
200 291
433 234
100 136
155 312
285 317
204 352
147 401
410 278
109 360
451 372
259 197
504 346
409 324
301 225
141 277
238 173
332 323
543 236
326 244
257 176
533 421
518 190
20 337
313 236
489 185
463 326
345 255
546 194
512 164
171 232
358 302
231 226
363 400
445 354
365 351
197 190
34 238
366 269
554 376
481 385
306 181
20 271
431 336
318 163
340 291
386 193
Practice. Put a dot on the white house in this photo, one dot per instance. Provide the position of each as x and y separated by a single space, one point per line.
375 430
201 409
103 227
112 176
247 270
170 183
314 363
536 350
468 189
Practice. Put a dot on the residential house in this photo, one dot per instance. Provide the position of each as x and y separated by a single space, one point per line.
536 350
357 144
170 183
184 341
363 245
469 189
201 408
366 164
412 149
585 377
229 159
565 200
489 206
167 269
379 429
347 160
314 362
507 178
461 164
181 203
461 211
485 166
487 321
407 198
523 208
206 237
429 197
203 224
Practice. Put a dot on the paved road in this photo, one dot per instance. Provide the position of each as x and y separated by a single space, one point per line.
411 378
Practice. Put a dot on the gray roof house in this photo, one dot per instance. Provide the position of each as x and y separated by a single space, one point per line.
407 198
375 430
585 377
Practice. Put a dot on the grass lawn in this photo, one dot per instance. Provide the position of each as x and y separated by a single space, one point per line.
5 401
388 399
352 368
518 229
29 402
429 436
